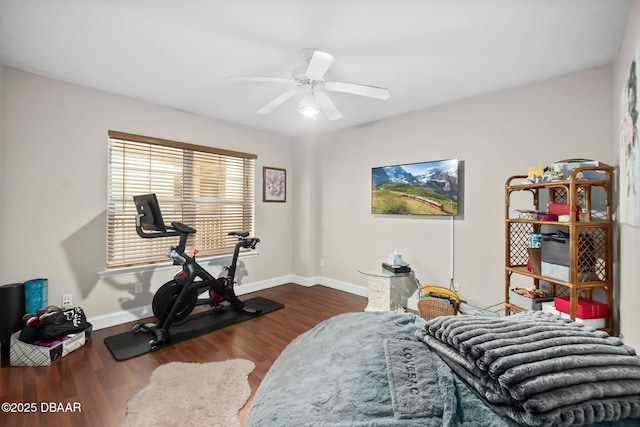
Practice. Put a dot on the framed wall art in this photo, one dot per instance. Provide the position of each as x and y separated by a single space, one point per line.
629 151
274 184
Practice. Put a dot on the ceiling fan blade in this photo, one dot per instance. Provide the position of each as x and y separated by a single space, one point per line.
328 108
319 64
262 79
276 102
358 89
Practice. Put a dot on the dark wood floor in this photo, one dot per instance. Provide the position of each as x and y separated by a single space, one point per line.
101 385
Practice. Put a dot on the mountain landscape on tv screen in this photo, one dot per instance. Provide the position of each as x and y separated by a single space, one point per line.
416 189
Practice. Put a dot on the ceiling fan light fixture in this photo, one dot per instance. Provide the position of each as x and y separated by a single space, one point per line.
308 107
308 80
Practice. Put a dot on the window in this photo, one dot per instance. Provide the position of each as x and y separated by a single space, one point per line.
209 189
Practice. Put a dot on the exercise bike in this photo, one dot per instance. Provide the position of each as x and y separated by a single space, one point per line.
175 300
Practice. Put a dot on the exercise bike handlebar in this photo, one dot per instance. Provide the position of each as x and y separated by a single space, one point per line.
178 229
173 231
243 240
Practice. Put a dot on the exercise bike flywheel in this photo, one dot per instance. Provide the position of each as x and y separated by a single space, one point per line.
165 298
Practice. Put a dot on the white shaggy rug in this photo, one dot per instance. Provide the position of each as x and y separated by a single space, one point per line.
192 394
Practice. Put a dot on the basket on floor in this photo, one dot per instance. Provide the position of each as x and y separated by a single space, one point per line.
437 301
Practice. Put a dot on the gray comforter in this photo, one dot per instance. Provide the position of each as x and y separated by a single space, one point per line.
539 369
365 369
369 369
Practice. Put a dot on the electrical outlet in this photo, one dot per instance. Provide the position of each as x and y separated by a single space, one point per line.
321 262
456 287
138 289
67 301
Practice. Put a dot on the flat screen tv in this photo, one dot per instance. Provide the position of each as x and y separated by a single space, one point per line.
428 188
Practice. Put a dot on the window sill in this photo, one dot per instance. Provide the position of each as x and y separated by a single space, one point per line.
205 262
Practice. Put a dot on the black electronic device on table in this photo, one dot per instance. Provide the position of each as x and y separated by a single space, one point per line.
396 269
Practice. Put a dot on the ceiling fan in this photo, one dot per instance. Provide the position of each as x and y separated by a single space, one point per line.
309 81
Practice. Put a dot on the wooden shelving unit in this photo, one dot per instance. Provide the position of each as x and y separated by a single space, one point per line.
590 239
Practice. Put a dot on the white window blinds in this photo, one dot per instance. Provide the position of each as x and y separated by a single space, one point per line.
209 189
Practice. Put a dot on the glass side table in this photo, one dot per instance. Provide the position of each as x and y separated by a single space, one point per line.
384 289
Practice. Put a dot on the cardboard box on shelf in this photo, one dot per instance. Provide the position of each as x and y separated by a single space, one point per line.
550 307
587 308
561 272
526 302
594 323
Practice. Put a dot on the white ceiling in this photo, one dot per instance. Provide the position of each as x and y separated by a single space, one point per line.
427 52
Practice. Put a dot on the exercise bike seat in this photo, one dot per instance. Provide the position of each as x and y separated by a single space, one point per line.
238 233
180 227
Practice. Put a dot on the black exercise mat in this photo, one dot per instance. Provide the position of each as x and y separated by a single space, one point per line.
131 344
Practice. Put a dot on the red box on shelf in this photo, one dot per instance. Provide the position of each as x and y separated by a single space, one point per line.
587 308
561 209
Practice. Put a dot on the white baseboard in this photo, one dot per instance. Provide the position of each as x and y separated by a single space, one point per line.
125 316
120 317
330 283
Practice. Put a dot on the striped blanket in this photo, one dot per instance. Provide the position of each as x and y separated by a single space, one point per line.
540 369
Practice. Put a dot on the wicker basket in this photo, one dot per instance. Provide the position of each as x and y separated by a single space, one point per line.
437 301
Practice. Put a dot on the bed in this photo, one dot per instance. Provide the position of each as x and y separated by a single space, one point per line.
395 369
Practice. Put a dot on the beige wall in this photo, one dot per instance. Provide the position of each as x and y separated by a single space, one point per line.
306 207
53 175
629 237
497 136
